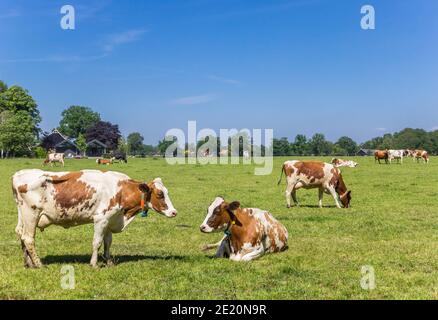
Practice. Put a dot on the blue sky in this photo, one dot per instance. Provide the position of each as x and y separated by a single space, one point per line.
297 66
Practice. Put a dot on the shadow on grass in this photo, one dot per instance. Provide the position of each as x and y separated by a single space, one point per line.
118 259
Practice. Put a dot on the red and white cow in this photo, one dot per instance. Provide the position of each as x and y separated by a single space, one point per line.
344 163
104 161
109 200
54 158
249 232
421 155
314 174
381 155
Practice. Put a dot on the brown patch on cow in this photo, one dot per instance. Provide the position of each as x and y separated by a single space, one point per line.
288 170
22 188
129 198
312 169
33 207
70 192
245 230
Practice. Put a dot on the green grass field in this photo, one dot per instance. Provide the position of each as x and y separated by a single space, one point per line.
392 226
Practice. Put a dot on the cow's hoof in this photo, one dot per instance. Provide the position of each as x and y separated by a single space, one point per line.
110 263
288 206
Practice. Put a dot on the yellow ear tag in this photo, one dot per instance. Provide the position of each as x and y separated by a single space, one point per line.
233 222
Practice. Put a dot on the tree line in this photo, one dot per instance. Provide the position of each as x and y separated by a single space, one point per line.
20 134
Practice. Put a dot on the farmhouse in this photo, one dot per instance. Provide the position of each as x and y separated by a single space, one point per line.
60 143
365 152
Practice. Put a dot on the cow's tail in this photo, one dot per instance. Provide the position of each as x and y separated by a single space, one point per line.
281 175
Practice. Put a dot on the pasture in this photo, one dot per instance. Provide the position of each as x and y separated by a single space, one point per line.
392 226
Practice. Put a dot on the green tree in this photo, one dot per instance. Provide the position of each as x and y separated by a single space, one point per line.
318 145
300 146
348 145
3 87
280 147
81 143
135 143
76 120
17 133
16 99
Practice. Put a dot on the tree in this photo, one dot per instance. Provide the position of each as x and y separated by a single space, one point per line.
318 145
348 145
166 143
135 143
3 87
300 146
76 120
16 99
81 143
280 147
17 136
105 132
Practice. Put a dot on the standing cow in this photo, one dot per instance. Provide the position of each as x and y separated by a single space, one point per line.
249 232
381 155
421 155
109 200
396 155
53 158
314 174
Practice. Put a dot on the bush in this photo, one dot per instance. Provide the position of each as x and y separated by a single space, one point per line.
40 152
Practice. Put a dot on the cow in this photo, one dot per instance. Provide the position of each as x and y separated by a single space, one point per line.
119 156
246 155
344 163
53 158
421 155
315 174
104 161
396 155
109 200
249 232
381 155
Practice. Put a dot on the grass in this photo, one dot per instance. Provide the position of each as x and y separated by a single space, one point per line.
392 226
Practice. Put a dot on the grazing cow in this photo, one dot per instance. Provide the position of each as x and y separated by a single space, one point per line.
53 158
119 156
381 155
249 233
344 163
422 155
104 161
109 200
396 155
314 174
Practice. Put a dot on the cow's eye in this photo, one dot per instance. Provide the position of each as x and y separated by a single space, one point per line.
160 194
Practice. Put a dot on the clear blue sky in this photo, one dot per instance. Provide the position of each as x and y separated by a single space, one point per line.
297 66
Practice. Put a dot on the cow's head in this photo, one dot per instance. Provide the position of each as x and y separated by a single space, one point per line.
346 199
157 198
219 215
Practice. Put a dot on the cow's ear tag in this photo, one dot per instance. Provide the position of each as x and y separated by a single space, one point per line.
144 214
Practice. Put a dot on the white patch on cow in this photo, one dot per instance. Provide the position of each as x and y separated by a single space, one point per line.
217 202
170 211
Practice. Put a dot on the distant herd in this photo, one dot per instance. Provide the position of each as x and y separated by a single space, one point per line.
111 201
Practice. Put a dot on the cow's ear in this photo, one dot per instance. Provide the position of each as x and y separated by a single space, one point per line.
234 205
144 187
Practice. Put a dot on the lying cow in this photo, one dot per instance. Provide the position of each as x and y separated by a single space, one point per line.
396 155
314 174
249 233
109 200
381 155
53 158
104 161
344 163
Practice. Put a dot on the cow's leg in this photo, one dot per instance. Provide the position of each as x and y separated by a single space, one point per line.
30 223
100 226
288 193
294 197
335 196
321 195
254 254
107 240
214 245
